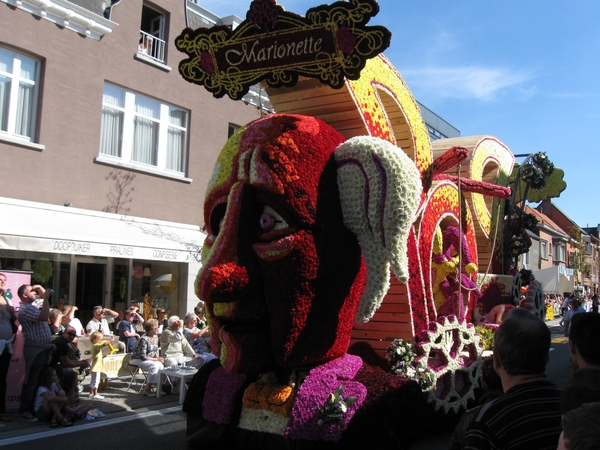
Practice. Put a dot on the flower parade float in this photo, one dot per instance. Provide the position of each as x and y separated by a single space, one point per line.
339 237
303 227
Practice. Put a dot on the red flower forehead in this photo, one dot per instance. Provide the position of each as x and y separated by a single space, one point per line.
288 155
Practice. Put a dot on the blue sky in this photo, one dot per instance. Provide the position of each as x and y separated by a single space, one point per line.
524 71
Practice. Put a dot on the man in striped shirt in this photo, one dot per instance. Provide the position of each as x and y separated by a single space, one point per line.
528 415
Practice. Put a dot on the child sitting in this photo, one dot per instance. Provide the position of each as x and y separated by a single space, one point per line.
97 362
49 400
70 383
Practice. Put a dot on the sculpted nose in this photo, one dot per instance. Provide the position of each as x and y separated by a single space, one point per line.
223 277
223 282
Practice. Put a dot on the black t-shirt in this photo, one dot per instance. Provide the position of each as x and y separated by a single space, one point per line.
62 349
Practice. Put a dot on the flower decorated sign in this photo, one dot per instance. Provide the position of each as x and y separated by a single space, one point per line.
331 43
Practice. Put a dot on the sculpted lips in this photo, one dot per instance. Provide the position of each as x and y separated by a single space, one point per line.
270 251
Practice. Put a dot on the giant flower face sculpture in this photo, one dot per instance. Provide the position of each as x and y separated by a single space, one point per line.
282 274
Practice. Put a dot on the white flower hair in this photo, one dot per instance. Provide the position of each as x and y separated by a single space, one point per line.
380 189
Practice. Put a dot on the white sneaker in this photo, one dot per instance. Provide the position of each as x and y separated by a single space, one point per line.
97 397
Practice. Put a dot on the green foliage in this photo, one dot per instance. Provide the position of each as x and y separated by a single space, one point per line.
552 189
486 337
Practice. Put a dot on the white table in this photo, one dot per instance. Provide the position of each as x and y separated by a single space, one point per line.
183 375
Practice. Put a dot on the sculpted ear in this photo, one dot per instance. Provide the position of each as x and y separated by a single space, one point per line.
380 189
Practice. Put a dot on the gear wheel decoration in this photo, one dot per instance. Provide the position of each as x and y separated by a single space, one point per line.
516 289
534 302
451 349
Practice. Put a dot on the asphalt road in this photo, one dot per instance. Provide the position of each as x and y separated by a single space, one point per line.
152 430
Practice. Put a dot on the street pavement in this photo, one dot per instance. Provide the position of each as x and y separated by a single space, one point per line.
136 421
124 409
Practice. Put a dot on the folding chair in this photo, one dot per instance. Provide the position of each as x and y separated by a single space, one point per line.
135 371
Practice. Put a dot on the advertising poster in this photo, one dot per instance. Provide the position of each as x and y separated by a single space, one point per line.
16 372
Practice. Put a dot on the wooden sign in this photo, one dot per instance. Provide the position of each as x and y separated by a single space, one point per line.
330 44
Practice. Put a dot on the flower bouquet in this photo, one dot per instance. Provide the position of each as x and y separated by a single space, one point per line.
335 407
401 354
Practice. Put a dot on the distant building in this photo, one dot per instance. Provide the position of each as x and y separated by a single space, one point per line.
584 262
437 127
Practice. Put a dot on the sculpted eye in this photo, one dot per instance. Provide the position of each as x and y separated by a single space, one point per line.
216 218
270 220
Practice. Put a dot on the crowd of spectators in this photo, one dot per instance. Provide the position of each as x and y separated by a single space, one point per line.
518 406
55 367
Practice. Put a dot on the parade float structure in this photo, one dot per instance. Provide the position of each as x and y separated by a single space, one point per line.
343 113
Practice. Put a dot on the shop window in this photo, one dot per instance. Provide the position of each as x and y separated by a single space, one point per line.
154 284
19 85
142 132
119 293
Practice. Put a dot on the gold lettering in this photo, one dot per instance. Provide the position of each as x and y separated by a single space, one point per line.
291 49
243 55
318 45
280 54
252 54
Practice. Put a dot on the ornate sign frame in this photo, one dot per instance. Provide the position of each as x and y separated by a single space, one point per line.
331 43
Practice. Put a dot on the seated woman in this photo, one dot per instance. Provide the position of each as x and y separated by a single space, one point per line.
162 322
196 336
70 385
50 400
174 346
497 314
145 355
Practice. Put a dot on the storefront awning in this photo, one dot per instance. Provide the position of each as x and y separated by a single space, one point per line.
554 280
47 228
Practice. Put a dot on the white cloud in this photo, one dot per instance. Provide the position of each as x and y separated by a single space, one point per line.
472 82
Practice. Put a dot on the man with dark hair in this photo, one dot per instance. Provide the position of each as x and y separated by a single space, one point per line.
127 331
528 414
38 348
584 387
581 428
584 341
60 360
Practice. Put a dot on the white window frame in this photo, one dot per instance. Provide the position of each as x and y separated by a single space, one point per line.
232 129
13 98
544 249
127 136
560 252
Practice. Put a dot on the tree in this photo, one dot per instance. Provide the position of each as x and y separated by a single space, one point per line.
577 258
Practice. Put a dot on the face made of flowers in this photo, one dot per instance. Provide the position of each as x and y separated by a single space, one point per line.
282 275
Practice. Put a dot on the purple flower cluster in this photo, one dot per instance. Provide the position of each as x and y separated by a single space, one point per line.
263 13
222 390
320 414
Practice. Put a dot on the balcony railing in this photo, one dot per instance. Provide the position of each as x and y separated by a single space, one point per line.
151 47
